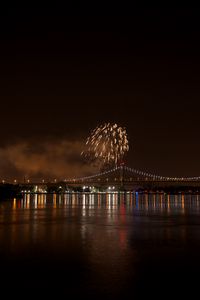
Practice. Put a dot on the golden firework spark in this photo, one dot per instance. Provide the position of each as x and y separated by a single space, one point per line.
108 143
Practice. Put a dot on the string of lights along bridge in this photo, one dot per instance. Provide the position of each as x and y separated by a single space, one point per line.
132 175
137 175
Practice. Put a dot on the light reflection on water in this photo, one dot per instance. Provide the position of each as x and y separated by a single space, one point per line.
116 240
28 220
112 202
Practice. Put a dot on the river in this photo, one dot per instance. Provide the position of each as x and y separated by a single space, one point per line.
93 246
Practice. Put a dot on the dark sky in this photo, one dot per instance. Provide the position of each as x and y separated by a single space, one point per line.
63 75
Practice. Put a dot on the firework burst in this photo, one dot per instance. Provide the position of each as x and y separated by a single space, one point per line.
107 144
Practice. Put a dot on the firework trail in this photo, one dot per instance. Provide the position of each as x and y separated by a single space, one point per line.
107 143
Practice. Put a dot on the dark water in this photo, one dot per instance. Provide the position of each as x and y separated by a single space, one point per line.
105 246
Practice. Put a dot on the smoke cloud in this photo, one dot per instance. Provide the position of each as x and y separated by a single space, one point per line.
47 159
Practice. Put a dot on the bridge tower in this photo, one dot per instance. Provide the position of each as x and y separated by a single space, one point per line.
122 176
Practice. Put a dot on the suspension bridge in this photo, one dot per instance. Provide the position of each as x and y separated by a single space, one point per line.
123 176
120 177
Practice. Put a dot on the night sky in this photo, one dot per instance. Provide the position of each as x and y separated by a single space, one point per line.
63 75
